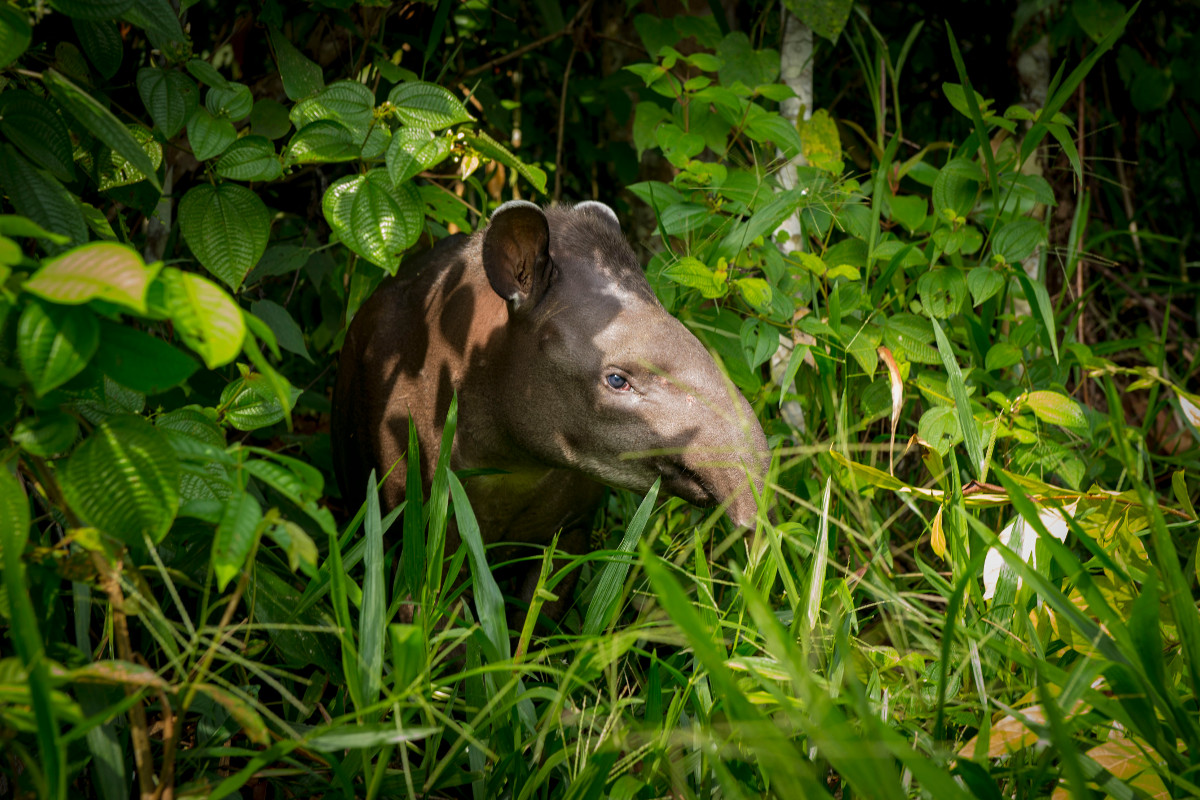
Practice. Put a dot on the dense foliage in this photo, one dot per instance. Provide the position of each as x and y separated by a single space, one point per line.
975 570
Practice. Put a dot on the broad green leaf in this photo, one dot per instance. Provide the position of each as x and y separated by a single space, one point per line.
942 291
301 77
208 135
984 283
270 119
15 34
54 343
92 9
745 64
250 403
1097 17
1056 409
101 41
691 272
111 170
820 142
323 142
39 196
939 427
234 102
427 105
250 158
488 147
171 98
646 120
827 18
107 400
124 480
909 210
347 102
205 317
17 226
140 361
957 187
100 270
47 434
226 226
755 291
286 331
1002 355
373 218
161 23
32 125
207 74
1017 239
101 123
413 150
235 537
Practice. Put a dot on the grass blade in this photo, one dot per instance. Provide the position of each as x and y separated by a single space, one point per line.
962 402
604 602
371 620
489 603
816 584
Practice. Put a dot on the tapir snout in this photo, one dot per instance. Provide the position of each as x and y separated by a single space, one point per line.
569 375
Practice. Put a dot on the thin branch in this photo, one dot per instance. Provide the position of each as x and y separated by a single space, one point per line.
562 124
567 30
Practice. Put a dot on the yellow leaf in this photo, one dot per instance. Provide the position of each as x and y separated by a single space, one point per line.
938 537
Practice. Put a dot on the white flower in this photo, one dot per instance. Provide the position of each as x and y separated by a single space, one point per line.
1189 410
1055 524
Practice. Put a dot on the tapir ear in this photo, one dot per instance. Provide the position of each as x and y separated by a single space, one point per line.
599 209
516 253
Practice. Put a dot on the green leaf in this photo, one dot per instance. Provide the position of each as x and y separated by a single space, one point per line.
488 600
18 227
488 147
942 291
161 23
124 480
286 331
909 210
373 218
301 77
827 18
270 119
101 123
1097 17
208 135
233 102
207 74
101 41
372 623
15 34
691 272
1056 409
347 102
32 125
250 403
1017 239
325 141
141 362
235 537
205 317
984 283
92 9
47 434
957 187
741 62
939 426
820 142
962 403
1002 355
226 226
756 292
111 170
98 270
39 196
603 606
171 98
427 105
646 120
413 150
55 343
250 158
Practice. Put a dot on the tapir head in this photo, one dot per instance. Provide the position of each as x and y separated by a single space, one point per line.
598 377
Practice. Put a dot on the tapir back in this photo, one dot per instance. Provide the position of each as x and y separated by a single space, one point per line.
383 372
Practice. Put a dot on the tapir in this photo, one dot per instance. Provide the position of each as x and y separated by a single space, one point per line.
570 376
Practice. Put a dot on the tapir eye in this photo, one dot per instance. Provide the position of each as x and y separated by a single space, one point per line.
617 382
